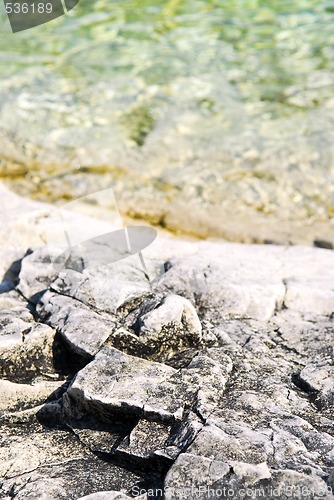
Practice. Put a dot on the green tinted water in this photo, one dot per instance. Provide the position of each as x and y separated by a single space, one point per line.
262 48
227 106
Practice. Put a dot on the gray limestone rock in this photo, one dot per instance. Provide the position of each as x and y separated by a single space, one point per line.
319 379
84 330
31 355
36 274
108 288
119 384
172 326
194 476
215 377
146 440
14 324
18 397
39 462
221 284
116 384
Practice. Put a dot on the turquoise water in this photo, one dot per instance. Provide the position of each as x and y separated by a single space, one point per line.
260 47
224 107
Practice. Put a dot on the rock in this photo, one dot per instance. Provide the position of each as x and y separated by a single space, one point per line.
36 274
116 390
110 288
239 456
289 482
14 324
190 475
198 477
29 354
37 462
219 284
173 310
170 327
118 384
235 442
127 341
213 368
305 297
183 434
319 379
236 439
84 330
123 382
146 440
220 281
308 336
97 437
10 299
111 495
15 397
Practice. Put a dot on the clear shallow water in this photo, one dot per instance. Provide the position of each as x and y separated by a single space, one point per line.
207 117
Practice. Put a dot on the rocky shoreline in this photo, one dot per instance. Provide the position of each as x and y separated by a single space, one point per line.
209 376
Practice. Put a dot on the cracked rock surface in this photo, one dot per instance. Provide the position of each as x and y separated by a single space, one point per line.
208 375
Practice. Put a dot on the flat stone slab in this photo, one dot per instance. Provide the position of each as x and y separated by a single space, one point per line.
116 383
